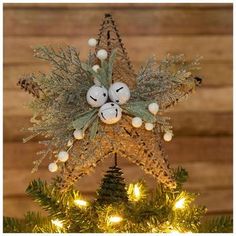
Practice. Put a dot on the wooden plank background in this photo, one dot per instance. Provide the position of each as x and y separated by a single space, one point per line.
202 124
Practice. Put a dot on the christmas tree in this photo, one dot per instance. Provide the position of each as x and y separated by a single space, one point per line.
117 208
98 109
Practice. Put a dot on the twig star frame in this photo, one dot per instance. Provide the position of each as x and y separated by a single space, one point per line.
89 111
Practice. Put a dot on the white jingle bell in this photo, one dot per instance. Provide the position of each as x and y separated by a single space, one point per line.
95 68
119 93
63 156
110 113
92 42
52 167
137 122
168 136
78 134
102 54
153 108
149 126
97 96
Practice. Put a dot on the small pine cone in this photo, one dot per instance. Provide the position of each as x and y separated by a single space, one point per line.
29 85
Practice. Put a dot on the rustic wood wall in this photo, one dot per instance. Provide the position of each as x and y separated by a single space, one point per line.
203 124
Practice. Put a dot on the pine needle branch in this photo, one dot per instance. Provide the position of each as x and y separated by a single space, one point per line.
223 224
48 198
13 225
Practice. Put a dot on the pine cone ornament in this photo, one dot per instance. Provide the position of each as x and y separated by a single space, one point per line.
113 188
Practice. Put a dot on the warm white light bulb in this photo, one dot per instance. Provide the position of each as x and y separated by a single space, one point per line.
180 203
115 219
80 202
57 223
137 192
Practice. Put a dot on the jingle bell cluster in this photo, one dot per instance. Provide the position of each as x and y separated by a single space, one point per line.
109 101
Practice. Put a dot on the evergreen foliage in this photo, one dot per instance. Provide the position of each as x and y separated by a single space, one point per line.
163 211
222 224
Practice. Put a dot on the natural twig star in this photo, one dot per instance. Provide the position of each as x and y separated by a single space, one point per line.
90 129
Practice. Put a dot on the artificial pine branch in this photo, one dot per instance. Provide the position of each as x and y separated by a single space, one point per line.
181 176
48 198
156 213
13 225
33 222
223 224
169 82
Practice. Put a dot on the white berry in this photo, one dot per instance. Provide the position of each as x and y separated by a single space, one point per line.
137 122
92 42
78 134
168 136
97 96
63 156
153 108
149 126
52 167
102 54
119 93
110 113
95 68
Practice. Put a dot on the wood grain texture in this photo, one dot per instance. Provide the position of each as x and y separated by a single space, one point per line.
18 49
75 21
143 6
203 124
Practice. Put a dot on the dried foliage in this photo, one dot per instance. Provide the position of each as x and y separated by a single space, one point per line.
167 83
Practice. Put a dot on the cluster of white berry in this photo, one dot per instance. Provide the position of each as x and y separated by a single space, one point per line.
62 157
153 108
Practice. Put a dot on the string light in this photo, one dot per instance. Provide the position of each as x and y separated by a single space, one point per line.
180 203
80 203
114 219
137 192
57 223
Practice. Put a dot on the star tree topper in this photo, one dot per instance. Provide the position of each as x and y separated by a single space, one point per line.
74 133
